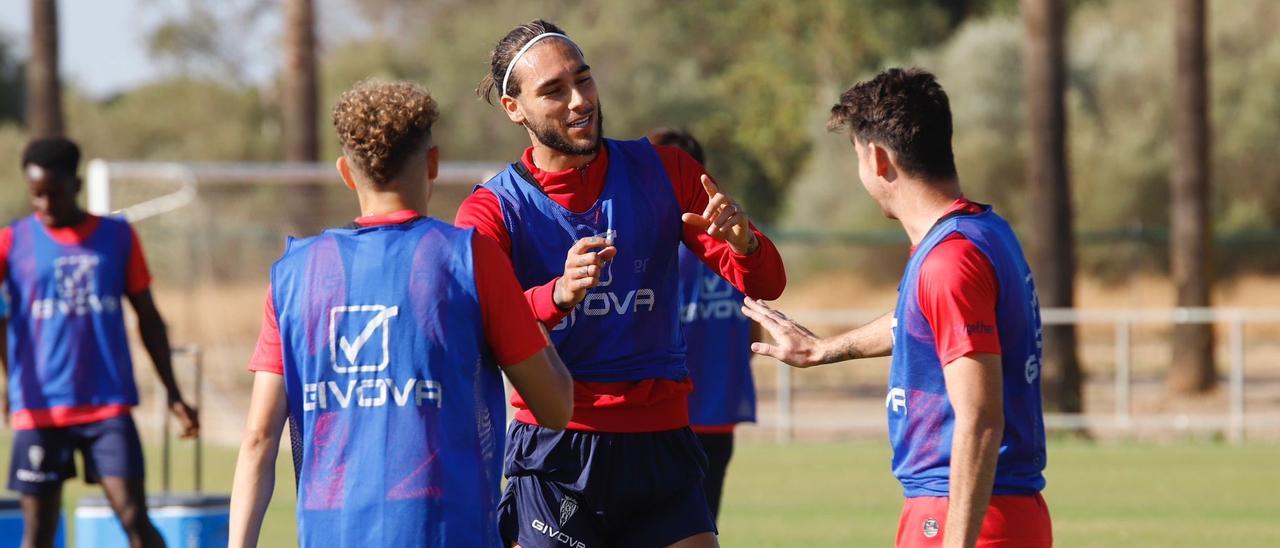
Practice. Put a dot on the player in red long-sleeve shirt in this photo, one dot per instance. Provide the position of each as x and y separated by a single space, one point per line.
593 227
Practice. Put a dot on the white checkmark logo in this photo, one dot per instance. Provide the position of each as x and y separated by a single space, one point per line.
350 349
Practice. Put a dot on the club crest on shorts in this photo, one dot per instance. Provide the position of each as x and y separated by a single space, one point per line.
567 508
35 455
930 528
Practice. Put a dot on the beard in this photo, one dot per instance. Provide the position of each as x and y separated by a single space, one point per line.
557 138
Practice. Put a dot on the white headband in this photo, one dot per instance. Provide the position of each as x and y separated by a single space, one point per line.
526 47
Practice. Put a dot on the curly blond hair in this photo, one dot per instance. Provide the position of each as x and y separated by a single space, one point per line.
382 124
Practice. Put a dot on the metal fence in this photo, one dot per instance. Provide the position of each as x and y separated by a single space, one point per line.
1232 422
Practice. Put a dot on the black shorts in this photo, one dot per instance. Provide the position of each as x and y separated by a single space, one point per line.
595 489
43 458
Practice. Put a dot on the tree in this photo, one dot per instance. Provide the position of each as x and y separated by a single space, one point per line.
299 100
299 109
1190 251
1052 247
11 83
44 91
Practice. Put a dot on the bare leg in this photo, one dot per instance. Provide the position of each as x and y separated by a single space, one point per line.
40 518
128 499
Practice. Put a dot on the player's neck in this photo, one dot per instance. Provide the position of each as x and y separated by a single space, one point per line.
923 204
550 159
383 202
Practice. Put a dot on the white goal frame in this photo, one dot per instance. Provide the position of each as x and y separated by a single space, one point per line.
192 175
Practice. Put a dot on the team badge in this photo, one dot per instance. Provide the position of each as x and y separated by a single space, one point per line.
35 455
930 528
567 508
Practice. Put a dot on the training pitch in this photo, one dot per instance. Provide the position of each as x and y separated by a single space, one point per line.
841 494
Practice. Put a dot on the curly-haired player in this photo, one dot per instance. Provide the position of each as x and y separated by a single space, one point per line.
381 343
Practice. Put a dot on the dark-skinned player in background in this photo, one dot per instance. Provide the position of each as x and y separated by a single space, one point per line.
69 373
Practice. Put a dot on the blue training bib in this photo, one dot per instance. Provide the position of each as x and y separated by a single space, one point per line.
627 328
921 419
67 341
396 405
718 336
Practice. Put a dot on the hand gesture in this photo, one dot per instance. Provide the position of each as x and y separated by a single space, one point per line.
793 344
582 269
188 419
724 219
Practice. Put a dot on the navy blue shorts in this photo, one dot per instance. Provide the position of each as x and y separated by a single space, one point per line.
43 458
596 489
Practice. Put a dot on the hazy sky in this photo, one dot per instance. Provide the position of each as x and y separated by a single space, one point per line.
103 47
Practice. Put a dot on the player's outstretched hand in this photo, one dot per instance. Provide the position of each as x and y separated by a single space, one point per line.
724 219
793 343
582 270
188 419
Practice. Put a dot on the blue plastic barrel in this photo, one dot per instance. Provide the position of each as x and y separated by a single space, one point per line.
11 525
185 521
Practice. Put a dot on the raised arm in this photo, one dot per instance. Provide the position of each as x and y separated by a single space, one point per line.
255 476
719 232
796 345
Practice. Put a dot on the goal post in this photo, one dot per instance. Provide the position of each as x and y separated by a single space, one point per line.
189 177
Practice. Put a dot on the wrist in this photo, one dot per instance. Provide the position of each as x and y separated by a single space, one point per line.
749 246
817 354
562 304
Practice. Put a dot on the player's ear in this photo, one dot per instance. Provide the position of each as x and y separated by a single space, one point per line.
344 169
512 107
433 162
880 160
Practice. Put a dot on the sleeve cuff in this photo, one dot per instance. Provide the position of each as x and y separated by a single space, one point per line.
544 305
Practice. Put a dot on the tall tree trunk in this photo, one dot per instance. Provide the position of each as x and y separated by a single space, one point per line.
44 92
300 99
1052 246
1190 251
299 103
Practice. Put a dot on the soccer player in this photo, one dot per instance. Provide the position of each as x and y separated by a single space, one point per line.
593 227
69 374
965 418
381 342
718 336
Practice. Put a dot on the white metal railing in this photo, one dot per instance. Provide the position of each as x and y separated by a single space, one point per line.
1235 319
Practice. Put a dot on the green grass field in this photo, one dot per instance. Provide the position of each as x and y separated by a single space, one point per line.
1192 494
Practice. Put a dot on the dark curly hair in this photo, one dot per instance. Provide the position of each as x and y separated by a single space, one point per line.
382 124
906 111
501 56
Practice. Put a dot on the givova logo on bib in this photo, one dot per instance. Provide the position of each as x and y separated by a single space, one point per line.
715 301
360 337
360 342
76 283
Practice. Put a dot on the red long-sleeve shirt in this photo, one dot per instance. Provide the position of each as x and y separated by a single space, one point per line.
652 404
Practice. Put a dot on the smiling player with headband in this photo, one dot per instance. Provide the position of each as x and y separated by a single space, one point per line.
628 470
